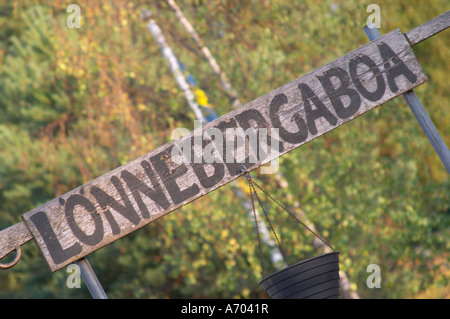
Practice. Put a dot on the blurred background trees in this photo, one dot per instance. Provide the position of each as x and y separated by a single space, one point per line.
76 103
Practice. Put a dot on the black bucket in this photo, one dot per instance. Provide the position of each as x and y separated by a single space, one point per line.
313 278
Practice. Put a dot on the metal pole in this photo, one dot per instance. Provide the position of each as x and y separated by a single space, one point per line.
419 112
91 280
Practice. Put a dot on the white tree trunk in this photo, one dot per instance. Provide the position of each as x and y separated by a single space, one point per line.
204 49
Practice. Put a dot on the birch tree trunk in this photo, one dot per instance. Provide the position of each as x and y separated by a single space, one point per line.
275 253
173 64
209 57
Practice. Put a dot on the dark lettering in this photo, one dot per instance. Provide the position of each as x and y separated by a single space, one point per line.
321 110
199 168
245 118
395 71
233 167
58 254
335 94
106 202
137 187
79 200
169 177
290 137
381 86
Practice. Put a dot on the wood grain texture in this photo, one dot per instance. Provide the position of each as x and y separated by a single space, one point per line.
13 237
147 188
428 29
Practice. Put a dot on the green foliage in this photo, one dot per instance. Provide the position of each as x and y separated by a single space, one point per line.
76 103
31 96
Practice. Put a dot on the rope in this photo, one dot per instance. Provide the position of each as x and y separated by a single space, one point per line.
252 190
269 222
257 228
295 217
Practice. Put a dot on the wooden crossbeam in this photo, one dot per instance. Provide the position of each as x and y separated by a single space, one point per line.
131 196
428 29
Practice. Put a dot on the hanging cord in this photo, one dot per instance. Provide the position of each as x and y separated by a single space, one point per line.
251 184
252 189
292 215
256 226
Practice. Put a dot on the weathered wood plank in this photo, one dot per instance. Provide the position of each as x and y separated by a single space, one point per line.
428 29
13 237
147 188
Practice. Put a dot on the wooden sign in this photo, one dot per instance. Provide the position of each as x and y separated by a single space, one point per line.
131 196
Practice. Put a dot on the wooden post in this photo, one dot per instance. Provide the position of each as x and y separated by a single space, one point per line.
410 97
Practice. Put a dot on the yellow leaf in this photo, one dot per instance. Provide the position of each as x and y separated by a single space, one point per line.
224 233
202 99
